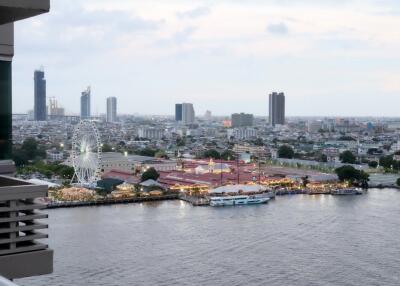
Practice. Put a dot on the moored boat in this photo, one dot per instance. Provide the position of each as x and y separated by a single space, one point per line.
238 200
346 192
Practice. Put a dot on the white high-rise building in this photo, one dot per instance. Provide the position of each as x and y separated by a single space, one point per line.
111 109
188 114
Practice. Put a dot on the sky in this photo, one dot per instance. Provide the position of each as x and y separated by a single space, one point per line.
330 57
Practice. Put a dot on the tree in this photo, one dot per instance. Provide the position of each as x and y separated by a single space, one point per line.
66 172
228 155
386 162
352 175
212 153
373 164
148 152
180 142
150 174
324 158
259 142
347 157
305 181
106 148
30 148
286 151
398 182
161 154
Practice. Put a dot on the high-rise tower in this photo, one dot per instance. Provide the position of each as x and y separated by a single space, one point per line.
188 114
111 109
277 108
39 109
85 103
178 112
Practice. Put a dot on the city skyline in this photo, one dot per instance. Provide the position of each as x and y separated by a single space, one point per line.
353 59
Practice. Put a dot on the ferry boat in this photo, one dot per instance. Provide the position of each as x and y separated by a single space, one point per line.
238 200
347 192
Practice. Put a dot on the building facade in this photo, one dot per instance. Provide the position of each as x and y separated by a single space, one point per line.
151 133
85 103
23 252
242 120
112 109
188 114
242 133
277 108
39 108
178 112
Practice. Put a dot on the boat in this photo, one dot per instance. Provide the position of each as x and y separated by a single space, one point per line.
222 201
346 192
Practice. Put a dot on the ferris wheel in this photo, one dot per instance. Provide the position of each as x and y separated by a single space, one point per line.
86 153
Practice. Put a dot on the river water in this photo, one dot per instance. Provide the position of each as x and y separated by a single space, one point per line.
294 240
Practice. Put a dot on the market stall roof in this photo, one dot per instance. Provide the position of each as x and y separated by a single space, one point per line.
237 188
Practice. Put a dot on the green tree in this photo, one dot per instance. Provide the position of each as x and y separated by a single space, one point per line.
148 152
66 172
150 174
161 154
30 148
285 151
212 153
347 157
180 142
398 182
228 155
259 142
352 175
386 162
324 158
106 148
373 164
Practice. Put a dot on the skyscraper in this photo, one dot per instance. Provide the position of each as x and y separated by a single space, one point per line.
39 109
277 108
188 114
178 112
85 103
112 109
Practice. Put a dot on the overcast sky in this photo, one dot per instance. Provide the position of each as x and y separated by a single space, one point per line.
330 57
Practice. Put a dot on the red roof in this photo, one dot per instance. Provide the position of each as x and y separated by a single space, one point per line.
121 175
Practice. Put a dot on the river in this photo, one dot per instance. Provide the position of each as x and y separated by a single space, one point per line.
294 240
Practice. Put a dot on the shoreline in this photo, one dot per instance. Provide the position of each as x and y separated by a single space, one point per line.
194 201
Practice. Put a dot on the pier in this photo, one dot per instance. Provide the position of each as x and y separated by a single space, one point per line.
55 205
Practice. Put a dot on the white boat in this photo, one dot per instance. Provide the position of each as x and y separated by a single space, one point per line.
238 200
346 192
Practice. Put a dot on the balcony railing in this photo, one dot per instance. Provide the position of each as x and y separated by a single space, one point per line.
22 252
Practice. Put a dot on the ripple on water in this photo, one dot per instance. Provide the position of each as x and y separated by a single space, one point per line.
296 240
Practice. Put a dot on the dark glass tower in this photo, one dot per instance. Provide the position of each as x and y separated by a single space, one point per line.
277 108
178 112
39 109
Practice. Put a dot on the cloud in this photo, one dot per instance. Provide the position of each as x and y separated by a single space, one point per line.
278 28
194 13
184 35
